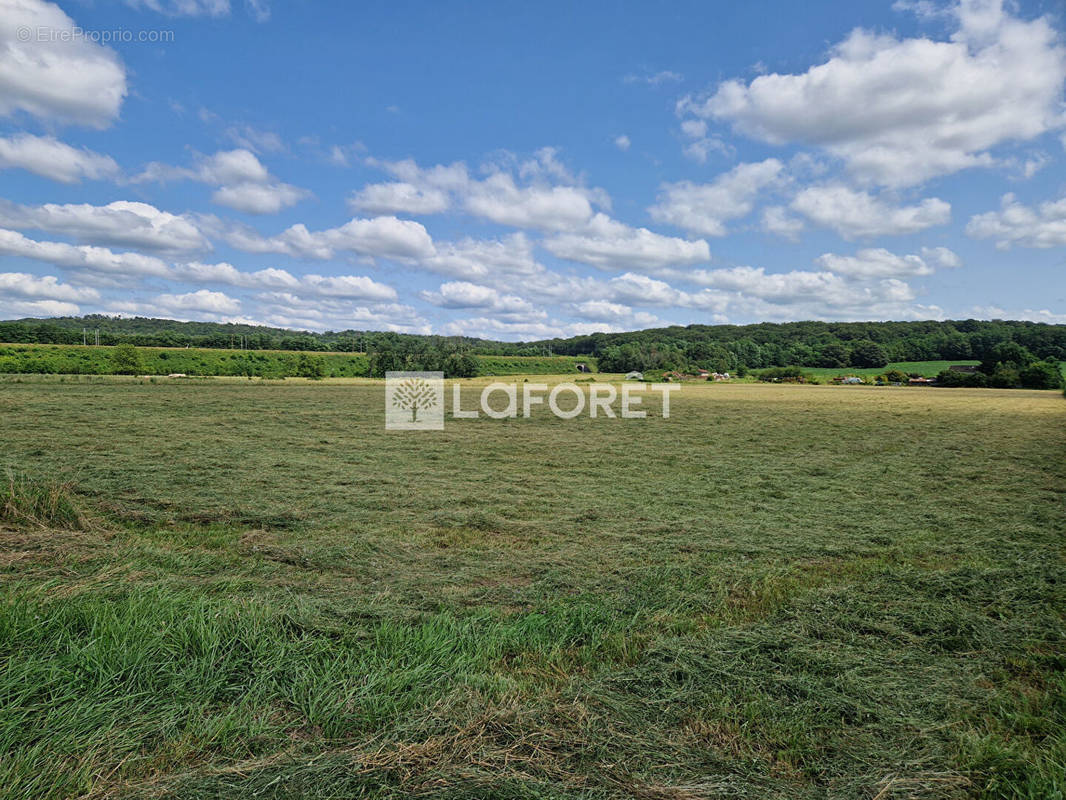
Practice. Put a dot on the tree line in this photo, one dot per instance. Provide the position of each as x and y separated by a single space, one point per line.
1008 365
128 359
727 348
724 348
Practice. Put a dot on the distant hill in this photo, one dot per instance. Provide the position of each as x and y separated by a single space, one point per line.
154 332
815 344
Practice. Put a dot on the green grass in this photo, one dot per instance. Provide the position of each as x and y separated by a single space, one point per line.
779 592
532 365
35 503
928 369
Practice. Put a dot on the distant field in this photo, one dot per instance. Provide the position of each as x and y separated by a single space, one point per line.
532 365
251 589
929 369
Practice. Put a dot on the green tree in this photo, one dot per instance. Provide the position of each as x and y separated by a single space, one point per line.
833 355
1005 376
866 353
956 346
458 365
973 380
308 366
126 360
719 359
1008 354
1041 375
747 352
384 360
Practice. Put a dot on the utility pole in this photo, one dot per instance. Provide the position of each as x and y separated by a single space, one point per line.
84 338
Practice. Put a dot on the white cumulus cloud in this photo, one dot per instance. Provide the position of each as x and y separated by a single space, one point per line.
876 262
777 220
81 257
50 158
855 214
200 300
609 244
463 294
44 287
399 197
377 237
705 208
1018 224
49 72
123 223
244 183
538 193
259 198
901 111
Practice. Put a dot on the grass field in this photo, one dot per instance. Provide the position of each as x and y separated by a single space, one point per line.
235 589
928 369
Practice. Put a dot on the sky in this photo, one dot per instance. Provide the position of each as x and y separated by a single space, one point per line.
523 171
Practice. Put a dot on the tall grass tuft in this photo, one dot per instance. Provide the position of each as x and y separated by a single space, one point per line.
40 503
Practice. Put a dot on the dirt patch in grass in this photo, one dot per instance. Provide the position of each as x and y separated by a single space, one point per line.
256 539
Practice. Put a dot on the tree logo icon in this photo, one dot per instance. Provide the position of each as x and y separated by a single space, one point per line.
414 401
414 394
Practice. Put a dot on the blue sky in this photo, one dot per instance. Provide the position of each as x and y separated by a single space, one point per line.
522 171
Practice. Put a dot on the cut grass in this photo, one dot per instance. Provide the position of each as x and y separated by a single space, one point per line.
781 592
27 502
